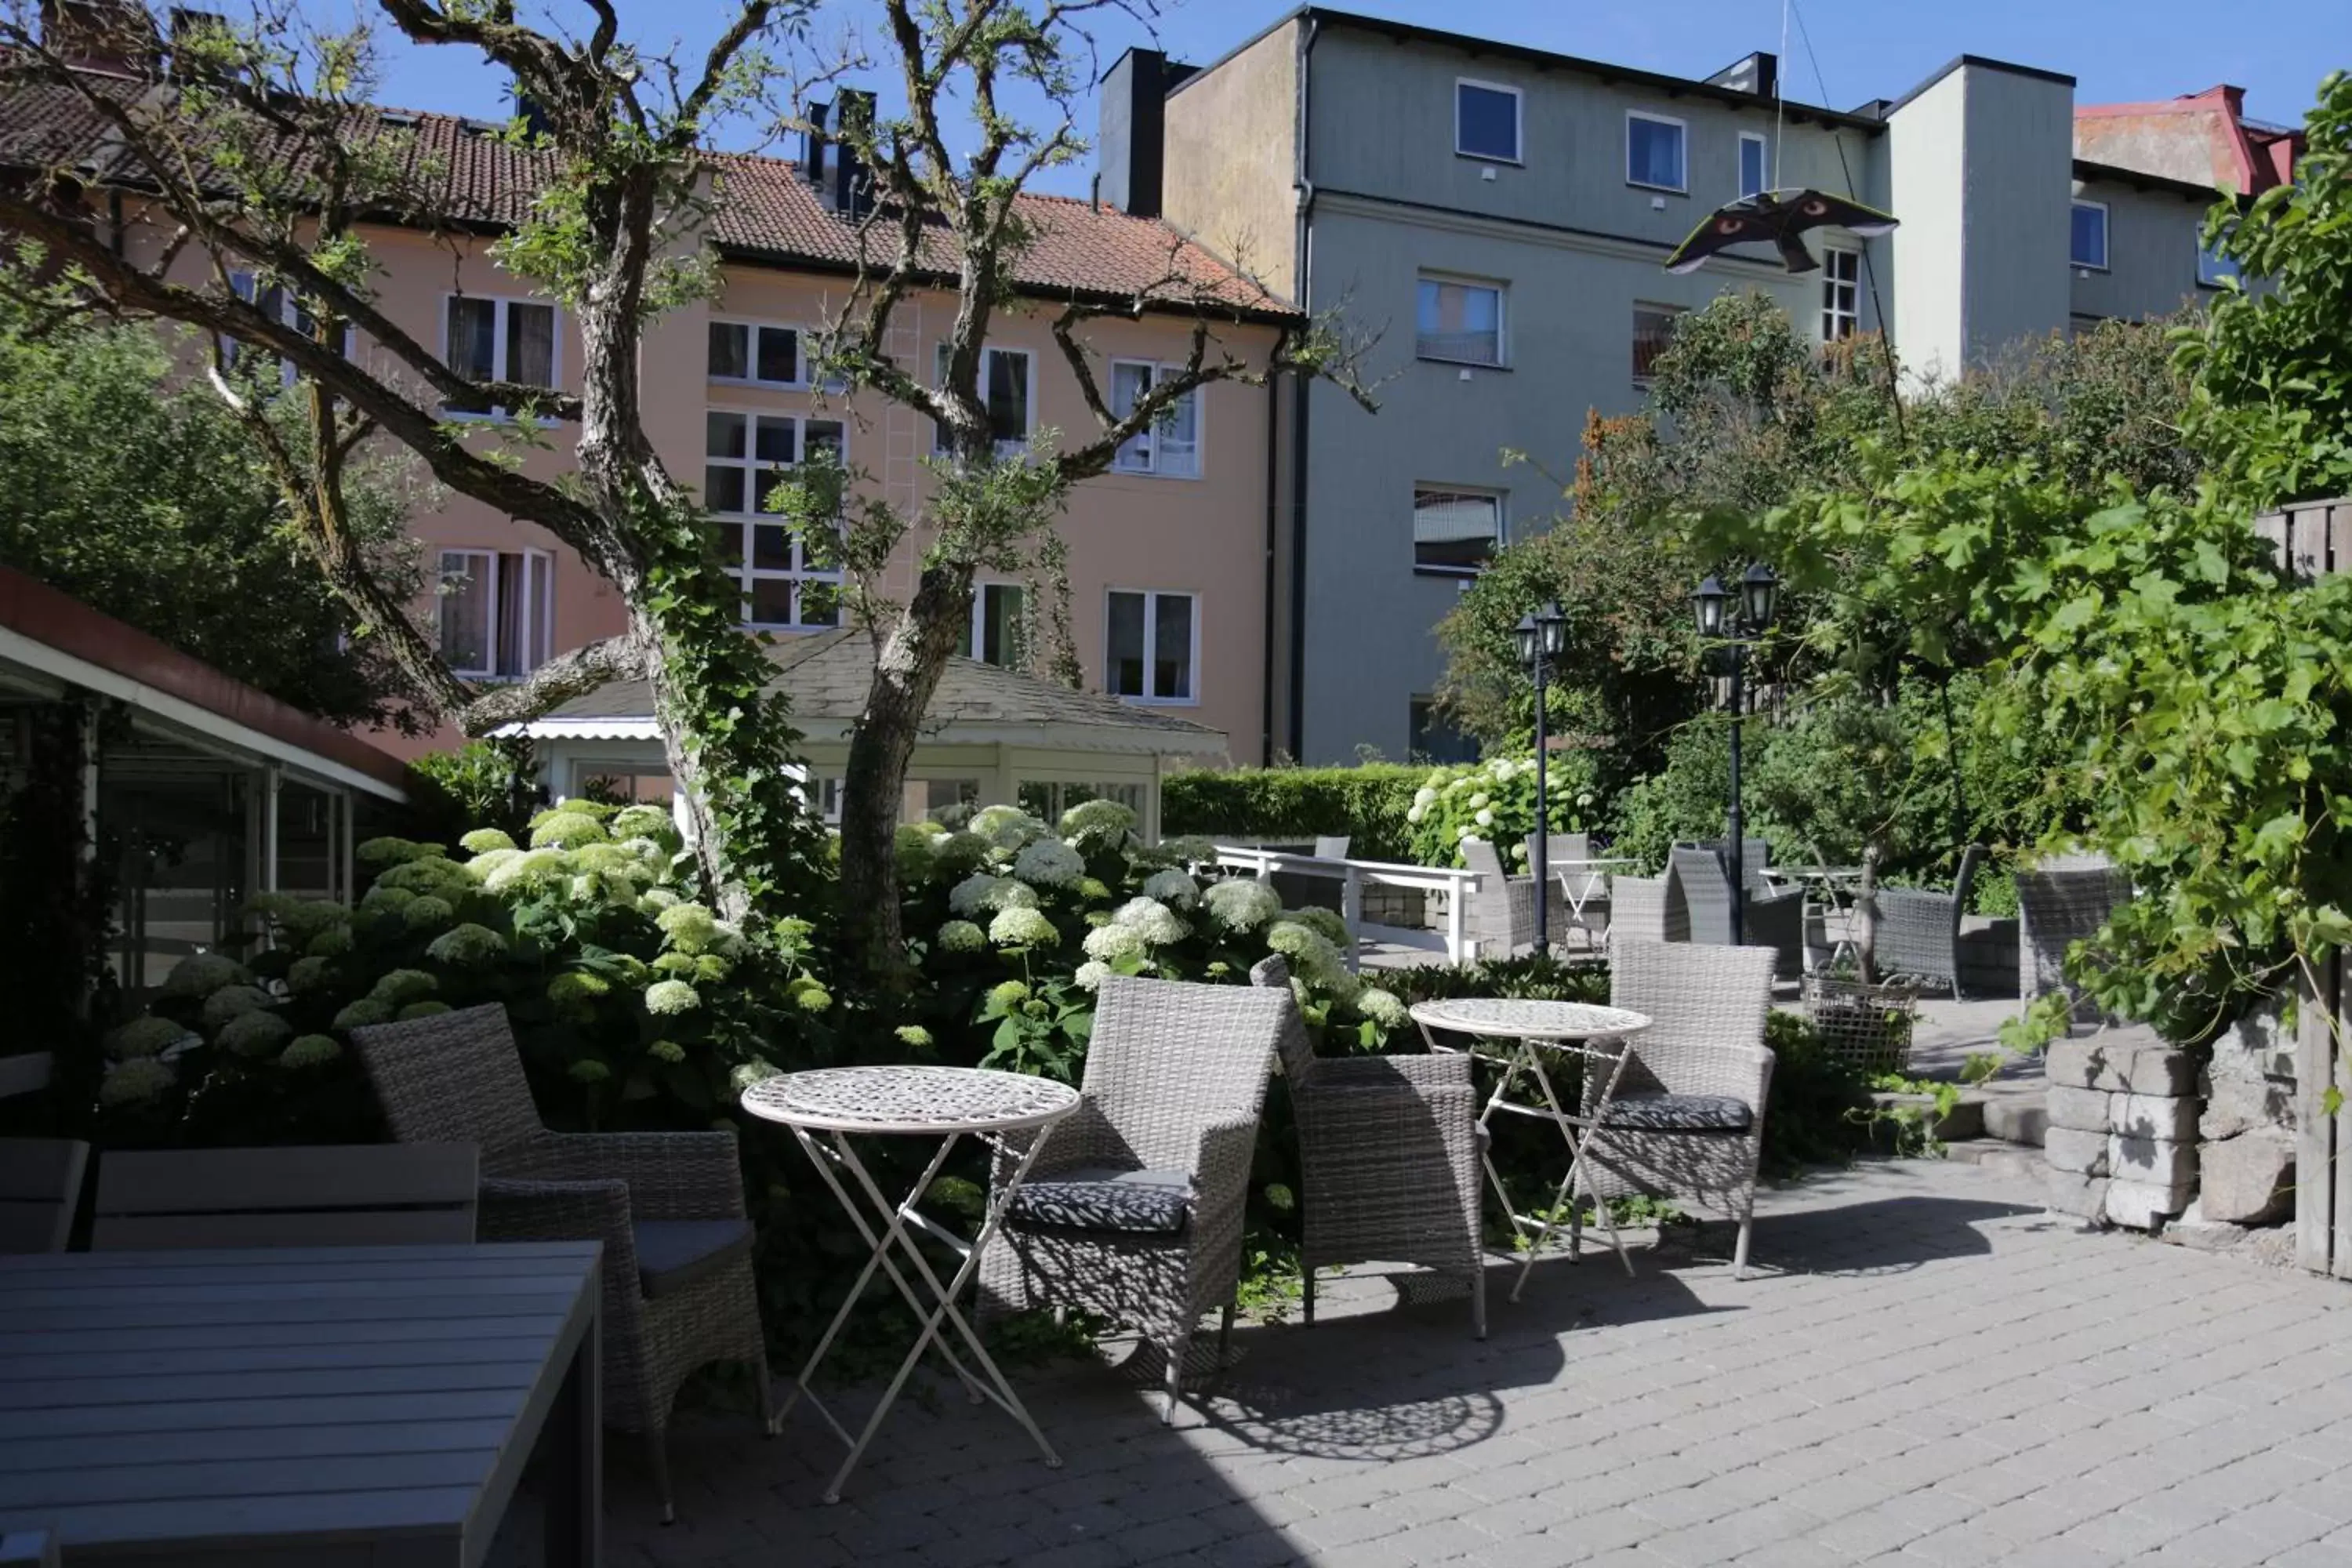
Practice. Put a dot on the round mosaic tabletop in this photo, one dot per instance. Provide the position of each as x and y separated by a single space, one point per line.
1530 1020
910 1099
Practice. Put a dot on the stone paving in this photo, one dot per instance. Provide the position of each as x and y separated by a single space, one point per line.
1926 1369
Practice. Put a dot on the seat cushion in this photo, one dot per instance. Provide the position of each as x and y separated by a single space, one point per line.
1678 1113
674 1253
1102 1199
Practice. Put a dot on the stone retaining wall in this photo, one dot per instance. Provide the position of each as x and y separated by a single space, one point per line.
2122 1140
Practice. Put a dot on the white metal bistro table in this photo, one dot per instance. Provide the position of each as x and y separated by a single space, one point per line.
1581 881
1529 1031
823 1107
1834 886
331 1406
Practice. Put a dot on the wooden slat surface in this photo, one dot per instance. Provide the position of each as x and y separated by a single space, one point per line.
270 1401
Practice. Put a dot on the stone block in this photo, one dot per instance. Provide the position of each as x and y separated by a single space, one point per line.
2085 1197
2162 1160
2103 1061
2153 1115
2249 1180
2017 1118
2083 1154
2079 1110
2142 1205
2235 1105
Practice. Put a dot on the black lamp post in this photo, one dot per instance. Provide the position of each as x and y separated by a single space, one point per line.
1540 637
1735 621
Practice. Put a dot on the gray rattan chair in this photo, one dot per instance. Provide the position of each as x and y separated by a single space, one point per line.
1133 1209
1387 1156
2060 901
668 1207
1687 1119
1917 936
1641 909
1502 907
1774 919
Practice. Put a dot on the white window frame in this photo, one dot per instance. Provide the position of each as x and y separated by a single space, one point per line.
505 303
1763 162
979 617
1152 597
1518 157
752 325
1832 313
744 572
1683 127
1151 469
531 612
2106 236
1502 293
1502 524
1005 447
246 285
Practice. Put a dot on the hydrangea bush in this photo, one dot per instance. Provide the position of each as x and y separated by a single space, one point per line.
633 1005
1495 800
1019 922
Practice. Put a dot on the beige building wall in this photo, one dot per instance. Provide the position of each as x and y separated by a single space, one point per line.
1231 171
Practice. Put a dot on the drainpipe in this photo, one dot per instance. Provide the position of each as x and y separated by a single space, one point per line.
1272 526
1303 258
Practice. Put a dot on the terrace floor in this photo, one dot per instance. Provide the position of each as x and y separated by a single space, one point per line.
1926 1369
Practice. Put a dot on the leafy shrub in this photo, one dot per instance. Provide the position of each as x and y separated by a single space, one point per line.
482 784
1495 800
1367 803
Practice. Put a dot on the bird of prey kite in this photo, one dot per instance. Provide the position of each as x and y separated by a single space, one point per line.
1775 218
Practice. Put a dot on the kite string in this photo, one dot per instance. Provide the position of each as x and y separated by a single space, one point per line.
1780 96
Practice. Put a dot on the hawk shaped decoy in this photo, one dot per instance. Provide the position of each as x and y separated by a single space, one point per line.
1775 218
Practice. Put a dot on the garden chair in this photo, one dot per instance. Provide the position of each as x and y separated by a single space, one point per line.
40 1186
1641 909
2061 900
352 1194
1502 907
1686 1121
1917 934
1388 1154
1702 882
668 1207
1133 1209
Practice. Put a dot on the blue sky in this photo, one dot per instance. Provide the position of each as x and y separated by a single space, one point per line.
2118 50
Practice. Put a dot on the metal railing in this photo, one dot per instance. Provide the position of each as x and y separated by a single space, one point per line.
1351 875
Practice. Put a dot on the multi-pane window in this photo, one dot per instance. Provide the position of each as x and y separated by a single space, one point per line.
1654 151
1840 294
1459 322
1454 530
497 612
1005 386
785 584
1433 738
1149 654
1171 447
999 634
279 305
2213 268
756 354
1654 329
1755 164
499 340
2088 245
1486 120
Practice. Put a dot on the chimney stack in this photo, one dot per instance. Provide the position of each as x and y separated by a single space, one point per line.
1131 134
1759 74
853 186
812 145
115 36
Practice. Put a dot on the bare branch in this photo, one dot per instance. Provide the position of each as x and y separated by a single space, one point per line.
552 684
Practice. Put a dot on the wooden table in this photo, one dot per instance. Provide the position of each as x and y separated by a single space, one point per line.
330 1408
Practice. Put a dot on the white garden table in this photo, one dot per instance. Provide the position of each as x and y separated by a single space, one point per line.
823 1107
1583 881
1523 1034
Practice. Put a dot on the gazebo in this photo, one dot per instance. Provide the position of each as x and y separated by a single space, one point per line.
993 736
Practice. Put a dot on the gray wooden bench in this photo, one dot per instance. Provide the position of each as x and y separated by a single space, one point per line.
359 1194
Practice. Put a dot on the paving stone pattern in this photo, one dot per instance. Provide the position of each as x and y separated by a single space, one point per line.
1928 1369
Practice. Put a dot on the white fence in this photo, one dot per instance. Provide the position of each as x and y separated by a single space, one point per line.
1351 875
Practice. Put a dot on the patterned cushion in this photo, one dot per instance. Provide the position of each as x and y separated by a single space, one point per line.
1678 1113
1101 1198
674 1253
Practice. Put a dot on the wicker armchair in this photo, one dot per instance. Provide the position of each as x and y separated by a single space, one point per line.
1502 907
2060 901
668 1207
1388 1153
1917 935
1641 909
1774 919
1687 1120
1133 1208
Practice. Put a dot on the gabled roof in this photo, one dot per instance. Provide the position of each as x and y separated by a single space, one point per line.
824 676
767 213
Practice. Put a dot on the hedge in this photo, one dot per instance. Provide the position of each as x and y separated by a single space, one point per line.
1367 804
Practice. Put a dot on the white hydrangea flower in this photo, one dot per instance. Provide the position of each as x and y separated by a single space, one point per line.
531 868
1152 920
1005 827
1310 953
1484 818
983 891
1382 1008
1241 903
1049 863
1091 974
135 1082
671 996
1480 800
1172 887
1097 821
962 936
1021 928
1424 797
465 945
1414 813
1461 831
1112 942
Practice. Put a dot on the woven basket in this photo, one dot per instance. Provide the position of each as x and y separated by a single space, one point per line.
1867 1027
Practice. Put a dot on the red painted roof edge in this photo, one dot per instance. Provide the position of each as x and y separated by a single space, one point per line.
33 609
